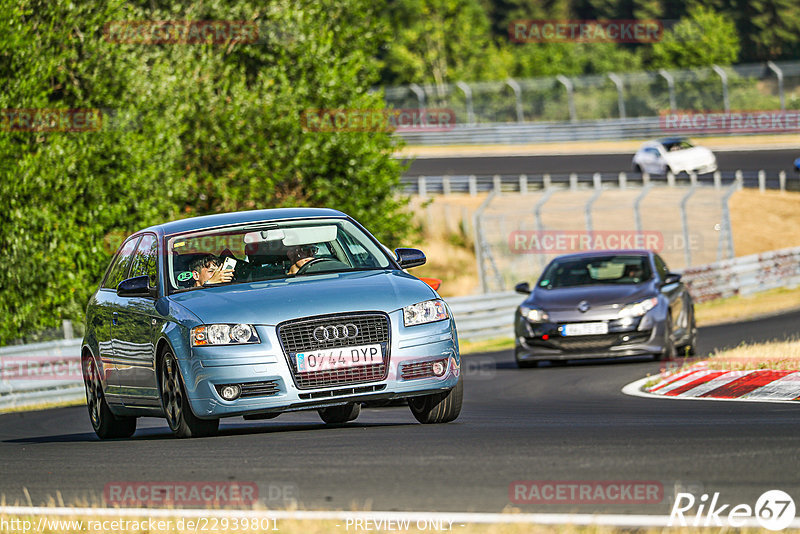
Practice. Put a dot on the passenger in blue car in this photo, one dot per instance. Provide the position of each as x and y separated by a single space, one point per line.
207 270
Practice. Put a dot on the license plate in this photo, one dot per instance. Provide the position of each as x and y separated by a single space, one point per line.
584 329
340 358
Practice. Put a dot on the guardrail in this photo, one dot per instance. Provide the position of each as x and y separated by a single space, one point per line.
473 184
50 372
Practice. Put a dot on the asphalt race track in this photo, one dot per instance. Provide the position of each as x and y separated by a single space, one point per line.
768 160
551 423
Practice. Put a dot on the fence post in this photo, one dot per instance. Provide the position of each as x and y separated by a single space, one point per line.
573 182
473 185
671 85
623 180
480 242
422 186
597 180
727 231
68 331
693 178
724 77
645 179
496 184
587 209
417 90
620 95
670 179
546 181
717 180
687 252
762 181
537 213
637 215
446 184
779 73
782 181
467 90
567 83
517 96
523 184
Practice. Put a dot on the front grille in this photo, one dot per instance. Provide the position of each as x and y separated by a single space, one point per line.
297 336
605 341
342 392
417 370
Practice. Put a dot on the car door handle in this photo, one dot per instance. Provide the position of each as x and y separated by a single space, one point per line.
115 319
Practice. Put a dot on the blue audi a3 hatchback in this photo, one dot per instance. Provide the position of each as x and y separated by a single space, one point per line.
262 312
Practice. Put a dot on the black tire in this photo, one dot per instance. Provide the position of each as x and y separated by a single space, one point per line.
637 168
181 420
105 424
337 415
670 352
439 407
690 349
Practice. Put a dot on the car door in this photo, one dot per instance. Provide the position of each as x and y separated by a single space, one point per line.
107 317
677 302
137 332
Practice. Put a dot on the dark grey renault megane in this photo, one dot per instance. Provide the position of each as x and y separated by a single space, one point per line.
602 304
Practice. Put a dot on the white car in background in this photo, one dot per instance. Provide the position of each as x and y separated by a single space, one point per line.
675 155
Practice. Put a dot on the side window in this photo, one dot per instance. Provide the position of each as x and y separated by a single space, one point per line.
119 270
145 261
661 267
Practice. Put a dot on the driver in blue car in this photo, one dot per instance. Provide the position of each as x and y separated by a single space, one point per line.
299 255
207 269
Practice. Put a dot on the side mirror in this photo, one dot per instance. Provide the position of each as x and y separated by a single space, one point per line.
671 278
523 288
138 286
409 257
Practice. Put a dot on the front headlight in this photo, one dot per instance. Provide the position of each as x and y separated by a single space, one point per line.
429 311
534 315
224 334
637 309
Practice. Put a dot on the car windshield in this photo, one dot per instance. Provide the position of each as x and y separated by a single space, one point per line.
270 251
677 144
596 270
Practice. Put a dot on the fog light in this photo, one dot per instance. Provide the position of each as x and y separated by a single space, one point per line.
438 368
230 392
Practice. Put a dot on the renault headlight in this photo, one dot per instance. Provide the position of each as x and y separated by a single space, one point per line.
429 311
533 314
224 334
637 309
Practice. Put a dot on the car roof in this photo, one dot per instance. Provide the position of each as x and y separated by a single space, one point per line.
241 217
597 253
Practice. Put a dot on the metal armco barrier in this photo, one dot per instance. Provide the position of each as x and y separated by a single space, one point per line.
50 372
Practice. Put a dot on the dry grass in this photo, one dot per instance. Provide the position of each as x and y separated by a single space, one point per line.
764 221
747 307
775 355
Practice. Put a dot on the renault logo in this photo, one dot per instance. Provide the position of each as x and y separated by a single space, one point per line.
583 306
335 331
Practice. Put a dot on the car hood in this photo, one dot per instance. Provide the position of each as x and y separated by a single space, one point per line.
697 154
275 301
597 296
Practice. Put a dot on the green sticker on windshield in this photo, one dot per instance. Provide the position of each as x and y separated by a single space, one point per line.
184 276
544 282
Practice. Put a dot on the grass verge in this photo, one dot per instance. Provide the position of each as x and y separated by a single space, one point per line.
741 308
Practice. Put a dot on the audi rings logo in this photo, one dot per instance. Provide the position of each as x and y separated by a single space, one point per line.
335 331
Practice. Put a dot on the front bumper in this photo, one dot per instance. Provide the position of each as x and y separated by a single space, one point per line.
266 366
543 341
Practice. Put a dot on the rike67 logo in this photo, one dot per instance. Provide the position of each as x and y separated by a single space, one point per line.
774 510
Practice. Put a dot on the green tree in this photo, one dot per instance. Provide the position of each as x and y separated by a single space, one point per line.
703 38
